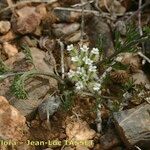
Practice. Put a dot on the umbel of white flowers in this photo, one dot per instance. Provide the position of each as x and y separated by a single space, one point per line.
85 75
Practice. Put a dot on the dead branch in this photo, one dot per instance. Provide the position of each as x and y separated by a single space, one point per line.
3 76
82 23
144 57
62 58
96 13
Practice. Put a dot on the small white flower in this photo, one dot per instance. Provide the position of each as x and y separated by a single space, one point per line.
95 51
92 68
84 48
70 47
84 77
71 73
79 85
119 58
75 59
87 61
80 70
96 87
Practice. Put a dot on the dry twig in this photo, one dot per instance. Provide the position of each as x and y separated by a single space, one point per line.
144 57
96 13
3 76
62 58
82 24
140 24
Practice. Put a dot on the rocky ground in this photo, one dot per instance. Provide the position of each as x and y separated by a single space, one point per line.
39 107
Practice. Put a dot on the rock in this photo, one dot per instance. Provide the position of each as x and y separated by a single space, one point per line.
39 62
23 22
8 36
26 40
36 88
38 31
15 59
112 6
9 49
109 140
41 9
101 29
49 107
141 78
65 29
12 122
4 27
73 38
79 131
133 125
66 16
68 148
81 148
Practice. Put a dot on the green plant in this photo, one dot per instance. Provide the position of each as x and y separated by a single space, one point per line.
28 55
67 101
85 75
18 88
130 42
3 67
18 85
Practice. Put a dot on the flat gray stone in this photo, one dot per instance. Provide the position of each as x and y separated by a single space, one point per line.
133 126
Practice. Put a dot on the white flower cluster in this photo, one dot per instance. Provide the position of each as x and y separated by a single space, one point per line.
86 70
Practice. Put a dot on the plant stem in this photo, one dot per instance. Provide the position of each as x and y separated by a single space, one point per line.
33 73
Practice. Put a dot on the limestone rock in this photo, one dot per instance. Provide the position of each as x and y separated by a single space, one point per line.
141 78
79 147
73 38
38 60
26 20
12 123
79 131
68 148
65 29
4 27
9 49
133 126
36 88
98 28
8 36
41 9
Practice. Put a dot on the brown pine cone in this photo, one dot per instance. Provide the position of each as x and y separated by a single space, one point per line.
119 76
